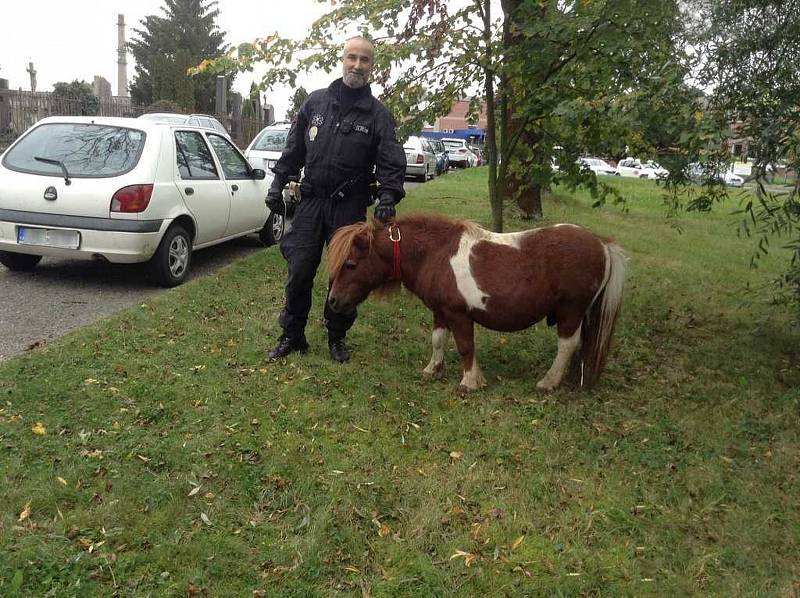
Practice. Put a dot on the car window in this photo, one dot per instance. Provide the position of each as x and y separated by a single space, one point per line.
85 150
271 141
193 156
452 144
233 164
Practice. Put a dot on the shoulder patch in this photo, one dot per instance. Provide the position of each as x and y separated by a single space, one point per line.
317 120
361 129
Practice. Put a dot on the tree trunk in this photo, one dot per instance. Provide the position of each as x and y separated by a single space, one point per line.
495 199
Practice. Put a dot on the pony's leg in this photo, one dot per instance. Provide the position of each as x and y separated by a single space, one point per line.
463 333
441 333
569 338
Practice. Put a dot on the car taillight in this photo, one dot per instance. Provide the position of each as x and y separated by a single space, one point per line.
133 198
420 159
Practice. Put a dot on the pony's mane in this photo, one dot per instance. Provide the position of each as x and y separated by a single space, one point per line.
425 226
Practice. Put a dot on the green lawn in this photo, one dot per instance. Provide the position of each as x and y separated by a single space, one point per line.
175 460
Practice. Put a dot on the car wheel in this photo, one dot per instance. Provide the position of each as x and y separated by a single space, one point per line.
20 262
274 229
424 177
170 264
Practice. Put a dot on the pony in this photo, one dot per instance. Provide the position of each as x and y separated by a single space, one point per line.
466 275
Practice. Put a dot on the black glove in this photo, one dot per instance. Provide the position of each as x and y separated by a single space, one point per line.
385 211
274 199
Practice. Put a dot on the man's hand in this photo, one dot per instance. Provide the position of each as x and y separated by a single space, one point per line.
385 211
274 201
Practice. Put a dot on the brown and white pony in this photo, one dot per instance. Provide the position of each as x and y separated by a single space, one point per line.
466 274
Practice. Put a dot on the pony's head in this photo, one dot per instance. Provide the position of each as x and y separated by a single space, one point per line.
355 267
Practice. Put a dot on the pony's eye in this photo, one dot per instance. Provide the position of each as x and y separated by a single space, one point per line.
350 265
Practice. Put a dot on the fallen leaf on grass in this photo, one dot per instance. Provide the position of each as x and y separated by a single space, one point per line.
38 428
194 490
468 557
384 530
455 455
143 458
205 519
61 481
26 512
517 542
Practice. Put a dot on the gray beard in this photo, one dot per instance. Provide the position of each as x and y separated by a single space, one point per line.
354 80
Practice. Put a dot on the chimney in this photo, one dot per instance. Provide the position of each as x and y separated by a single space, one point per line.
122 63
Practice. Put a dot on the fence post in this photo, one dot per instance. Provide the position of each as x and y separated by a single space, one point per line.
5 106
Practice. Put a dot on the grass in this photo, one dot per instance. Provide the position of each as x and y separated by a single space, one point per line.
175 461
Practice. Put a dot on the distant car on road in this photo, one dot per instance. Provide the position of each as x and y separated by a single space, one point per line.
458 152
126 190
597 166
479 161
420 158
632 167
195 120
442 160
700 174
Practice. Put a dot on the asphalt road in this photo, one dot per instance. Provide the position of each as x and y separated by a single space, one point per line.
62 295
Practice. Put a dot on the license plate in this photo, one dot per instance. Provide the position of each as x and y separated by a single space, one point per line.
49 237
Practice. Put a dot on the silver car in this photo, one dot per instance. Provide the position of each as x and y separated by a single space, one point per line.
420 158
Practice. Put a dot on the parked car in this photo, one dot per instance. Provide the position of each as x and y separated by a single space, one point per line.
631 167
479 161
458 152
700 174
442 161
196 120
126 190
420 158
597 166
267 146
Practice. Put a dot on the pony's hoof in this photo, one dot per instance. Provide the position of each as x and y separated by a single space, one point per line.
546 386
436 373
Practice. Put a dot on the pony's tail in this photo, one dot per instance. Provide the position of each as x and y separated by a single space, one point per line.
598 323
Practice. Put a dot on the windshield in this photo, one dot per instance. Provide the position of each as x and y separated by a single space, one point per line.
86 150
453 144
271 140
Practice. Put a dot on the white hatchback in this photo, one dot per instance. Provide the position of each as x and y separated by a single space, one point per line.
267 146
126 190
631 167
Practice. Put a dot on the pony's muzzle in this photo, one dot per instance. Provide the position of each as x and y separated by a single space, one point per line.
339 306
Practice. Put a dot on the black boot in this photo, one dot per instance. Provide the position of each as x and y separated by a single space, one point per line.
286 345
338 350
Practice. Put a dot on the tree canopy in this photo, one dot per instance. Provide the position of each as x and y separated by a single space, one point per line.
167 46
298 97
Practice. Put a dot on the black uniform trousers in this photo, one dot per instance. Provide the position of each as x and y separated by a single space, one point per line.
314 222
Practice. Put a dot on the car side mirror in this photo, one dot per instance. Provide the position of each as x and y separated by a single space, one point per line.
259 174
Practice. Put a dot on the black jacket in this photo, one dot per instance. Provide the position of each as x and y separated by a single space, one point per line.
335 148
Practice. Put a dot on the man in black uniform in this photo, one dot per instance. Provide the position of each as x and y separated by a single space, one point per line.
341 135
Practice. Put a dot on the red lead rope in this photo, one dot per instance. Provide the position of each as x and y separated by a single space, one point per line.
394 237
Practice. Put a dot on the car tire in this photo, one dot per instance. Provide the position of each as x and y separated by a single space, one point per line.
424 176
273 230
19 262
169 266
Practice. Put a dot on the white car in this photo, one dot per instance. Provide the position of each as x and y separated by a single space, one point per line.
458 152
267 146
597 166
126 190
631 167
700 174
420 158
195 120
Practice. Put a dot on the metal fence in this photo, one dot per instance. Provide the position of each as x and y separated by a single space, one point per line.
19 110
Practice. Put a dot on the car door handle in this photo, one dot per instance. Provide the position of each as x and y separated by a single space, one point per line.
235 187
189 191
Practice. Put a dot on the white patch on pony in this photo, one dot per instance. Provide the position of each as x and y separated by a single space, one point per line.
566 347
474 297
567 224
473 379
439 338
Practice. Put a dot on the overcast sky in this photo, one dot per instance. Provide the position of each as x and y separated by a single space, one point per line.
77 39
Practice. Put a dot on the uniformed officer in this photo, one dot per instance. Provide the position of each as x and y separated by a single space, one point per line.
341 136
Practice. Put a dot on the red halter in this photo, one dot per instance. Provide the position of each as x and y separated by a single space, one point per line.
394 231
